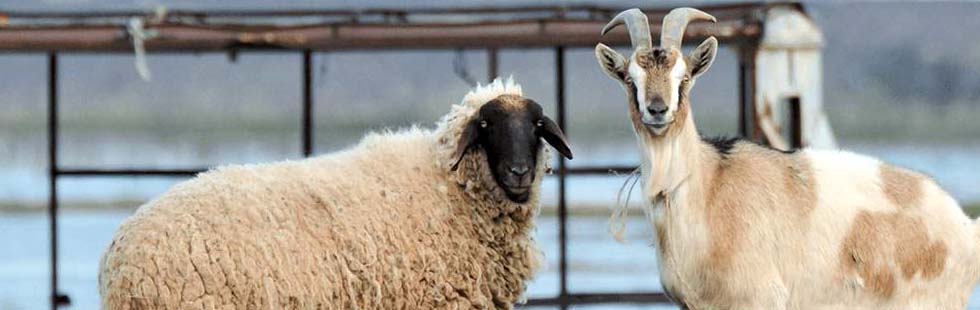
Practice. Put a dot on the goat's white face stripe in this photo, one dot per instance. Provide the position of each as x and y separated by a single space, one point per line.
676 75
639 77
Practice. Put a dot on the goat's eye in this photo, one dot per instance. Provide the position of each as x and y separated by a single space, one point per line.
628 79
483 124
539 123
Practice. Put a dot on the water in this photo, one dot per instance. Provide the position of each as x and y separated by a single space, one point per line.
596 262
25 182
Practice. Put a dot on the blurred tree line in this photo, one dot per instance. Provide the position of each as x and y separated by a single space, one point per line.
908 76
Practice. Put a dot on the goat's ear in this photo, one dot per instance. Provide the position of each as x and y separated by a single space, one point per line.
611 62
553 135
466 139
700 59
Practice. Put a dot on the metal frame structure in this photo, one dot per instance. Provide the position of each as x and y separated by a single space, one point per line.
490 29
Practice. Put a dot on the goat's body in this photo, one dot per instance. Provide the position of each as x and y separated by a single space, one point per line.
740 226
760 229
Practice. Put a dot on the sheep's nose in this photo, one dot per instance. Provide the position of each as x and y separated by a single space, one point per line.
657 108
519 170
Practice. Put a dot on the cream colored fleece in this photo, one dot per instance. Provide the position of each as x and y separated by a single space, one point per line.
383 225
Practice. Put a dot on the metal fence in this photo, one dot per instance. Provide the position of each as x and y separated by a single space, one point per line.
556 28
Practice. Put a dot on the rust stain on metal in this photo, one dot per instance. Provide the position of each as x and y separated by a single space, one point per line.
338 30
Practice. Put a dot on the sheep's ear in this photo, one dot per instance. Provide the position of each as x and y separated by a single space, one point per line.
611 62
553 135
700 59
466 140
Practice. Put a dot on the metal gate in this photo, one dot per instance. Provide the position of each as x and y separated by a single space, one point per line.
558 28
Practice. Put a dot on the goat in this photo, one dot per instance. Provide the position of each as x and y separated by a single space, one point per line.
743 226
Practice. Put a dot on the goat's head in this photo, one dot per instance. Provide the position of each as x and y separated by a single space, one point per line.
657 79
509 129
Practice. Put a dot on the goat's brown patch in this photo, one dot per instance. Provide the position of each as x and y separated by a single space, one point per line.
662 240
877 241
722 212
863 252
754 177
915 253
902 187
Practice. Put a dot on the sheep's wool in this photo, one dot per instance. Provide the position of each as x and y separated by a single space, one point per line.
385 224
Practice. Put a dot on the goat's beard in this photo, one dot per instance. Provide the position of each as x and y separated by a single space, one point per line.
659 169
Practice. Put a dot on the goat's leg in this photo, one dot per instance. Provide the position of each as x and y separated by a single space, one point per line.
771 294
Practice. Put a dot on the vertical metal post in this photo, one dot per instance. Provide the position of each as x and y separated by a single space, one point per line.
307 130
492 65
742 99
747 90
56 298
562 212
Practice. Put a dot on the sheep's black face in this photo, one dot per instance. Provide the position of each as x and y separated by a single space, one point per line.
509 129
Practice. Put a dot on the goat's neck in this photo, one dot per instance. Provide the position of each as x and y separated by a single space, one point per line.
677 169
671 161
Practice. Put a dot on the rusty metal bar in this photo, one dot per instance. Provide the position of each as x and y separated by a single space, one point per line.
198 38
713 9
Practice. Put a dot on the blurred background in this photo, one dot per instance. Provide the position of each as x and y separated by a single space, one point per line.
901 81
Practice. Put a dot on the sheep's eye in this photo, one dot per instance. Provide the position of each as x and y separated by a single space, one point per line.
628 79
483 124
539 123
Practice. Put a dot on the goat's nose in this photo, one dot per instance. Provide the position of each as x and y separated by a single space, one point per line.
519 170
657 109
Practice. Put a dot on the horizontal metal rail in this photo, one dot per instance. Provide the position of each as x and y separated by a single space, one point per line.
88 172
194 38
601 298
185 172
734 8
190 31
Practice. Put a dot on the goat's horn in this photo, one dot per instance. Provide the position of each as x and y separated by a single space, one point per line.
637 24
672 32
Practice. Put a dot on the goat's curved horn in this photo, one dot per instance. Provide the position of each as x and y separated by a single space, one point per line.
672 32
637 24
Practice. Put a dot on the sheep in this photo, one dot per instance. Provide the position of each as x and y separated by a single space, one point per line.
742 226
413 219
